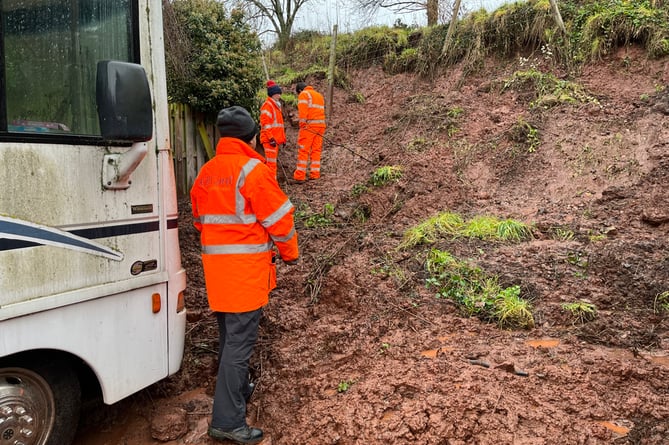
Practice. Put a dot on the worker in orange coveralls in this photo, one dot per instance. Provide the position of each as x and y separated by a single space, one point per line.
272 132
242 214
311 114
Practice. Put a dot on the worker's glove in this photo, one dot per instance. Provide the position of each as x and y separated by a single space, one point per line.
272 142
291 262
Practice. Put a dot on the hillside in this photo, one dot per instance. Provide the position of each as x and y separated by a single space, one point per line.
356 349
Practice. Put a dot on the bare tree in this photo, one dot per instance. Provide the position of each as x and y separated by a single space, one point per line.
281 15
432 8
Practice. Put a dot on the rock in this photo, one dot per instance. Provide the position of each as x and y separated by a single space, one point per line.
168 423
654 218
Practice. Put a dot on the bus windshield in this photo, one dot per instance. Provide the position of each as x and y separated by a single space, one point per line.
48 61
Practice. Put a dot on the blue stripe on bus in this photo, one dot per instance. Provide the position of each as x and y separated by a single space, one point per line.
91 233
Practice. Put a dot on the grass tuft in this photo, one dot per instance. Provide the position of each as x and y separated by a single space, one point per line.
386 174
452 225
661 303
475 293
581 311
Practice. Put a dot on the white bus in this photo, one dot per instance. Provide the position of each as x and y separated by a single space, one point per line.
91 282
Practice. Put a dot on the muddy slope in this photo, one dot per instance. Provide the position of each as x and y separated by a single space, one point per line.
356 349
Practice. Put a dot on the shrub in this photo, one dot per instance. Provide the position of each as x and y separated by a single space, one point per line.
220 65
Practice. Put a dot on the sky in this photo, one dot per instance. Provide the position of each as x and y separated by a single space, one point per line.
322 15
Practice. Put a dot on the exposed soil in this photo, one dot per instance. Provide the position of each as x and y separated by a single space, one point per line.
356 349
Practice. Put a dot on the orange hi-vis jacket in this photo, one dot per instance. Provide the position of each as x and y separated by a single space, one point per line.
241 213
271 122
311 109
311 113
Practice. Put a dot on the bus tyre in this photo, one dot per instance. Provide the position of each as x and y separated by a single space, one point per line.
39 403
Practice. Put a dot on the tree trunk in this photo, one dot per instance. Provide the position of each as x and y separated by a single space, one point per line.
331 74
432 7
283 40
558 16
451 27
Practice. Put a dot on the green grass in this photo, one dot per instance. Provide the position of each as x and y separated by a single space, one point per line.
344 385
511 310
548 91
581 311
512 230
475 293
314 220
358 189
452 225
524 133
561 233
386 174
661 303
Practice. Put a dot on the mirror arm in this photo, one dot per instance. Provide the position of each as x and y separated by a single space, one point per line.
117 167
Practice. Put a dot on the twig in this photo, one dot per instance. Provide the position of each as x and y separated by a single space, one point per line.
316 275
412 314
205 349
494 408
479 363
328 140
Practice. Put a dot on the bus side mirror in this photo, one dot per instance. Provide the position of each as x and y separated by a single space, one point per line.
124 102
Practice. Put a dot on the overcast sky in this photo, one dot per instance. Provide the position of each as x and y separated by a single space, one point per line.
322 15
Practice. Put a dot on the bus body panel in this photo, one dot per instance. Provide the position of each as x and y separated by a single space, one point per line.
82 264
60 187
131 358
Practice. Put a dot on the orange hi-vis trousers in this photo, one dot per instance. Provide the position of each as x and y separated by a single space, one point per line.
309 148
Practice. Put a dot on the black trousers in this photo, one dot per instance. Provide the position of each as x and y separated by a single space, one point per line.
237 333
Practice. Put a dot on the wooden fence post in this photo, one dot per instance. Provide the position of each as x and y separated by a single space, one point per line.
193 142
331 69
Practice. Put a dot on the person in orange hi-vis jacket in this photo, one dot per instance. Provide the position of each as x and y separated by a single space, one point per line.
311 113
272 132
242 214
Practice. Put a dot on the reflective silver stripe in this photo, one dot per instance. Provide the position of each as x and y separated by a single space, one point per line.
271 160
273 116
223 249
239 217
316 121
197 219
241 180
311 102
284 239
300 168
278 214
228 219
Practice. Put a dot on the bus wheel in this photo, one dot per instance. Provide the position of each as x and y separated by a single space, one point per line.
39 404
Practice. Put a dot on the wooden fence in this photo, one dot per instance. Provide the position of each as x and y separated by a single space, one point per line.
193 136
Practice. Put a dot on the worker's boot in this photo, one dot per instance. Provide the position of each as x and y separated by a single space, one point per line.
243 434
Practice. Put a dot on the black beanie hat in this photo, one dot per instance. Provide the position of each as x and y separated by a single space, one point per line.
300 86
236 122
273 88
